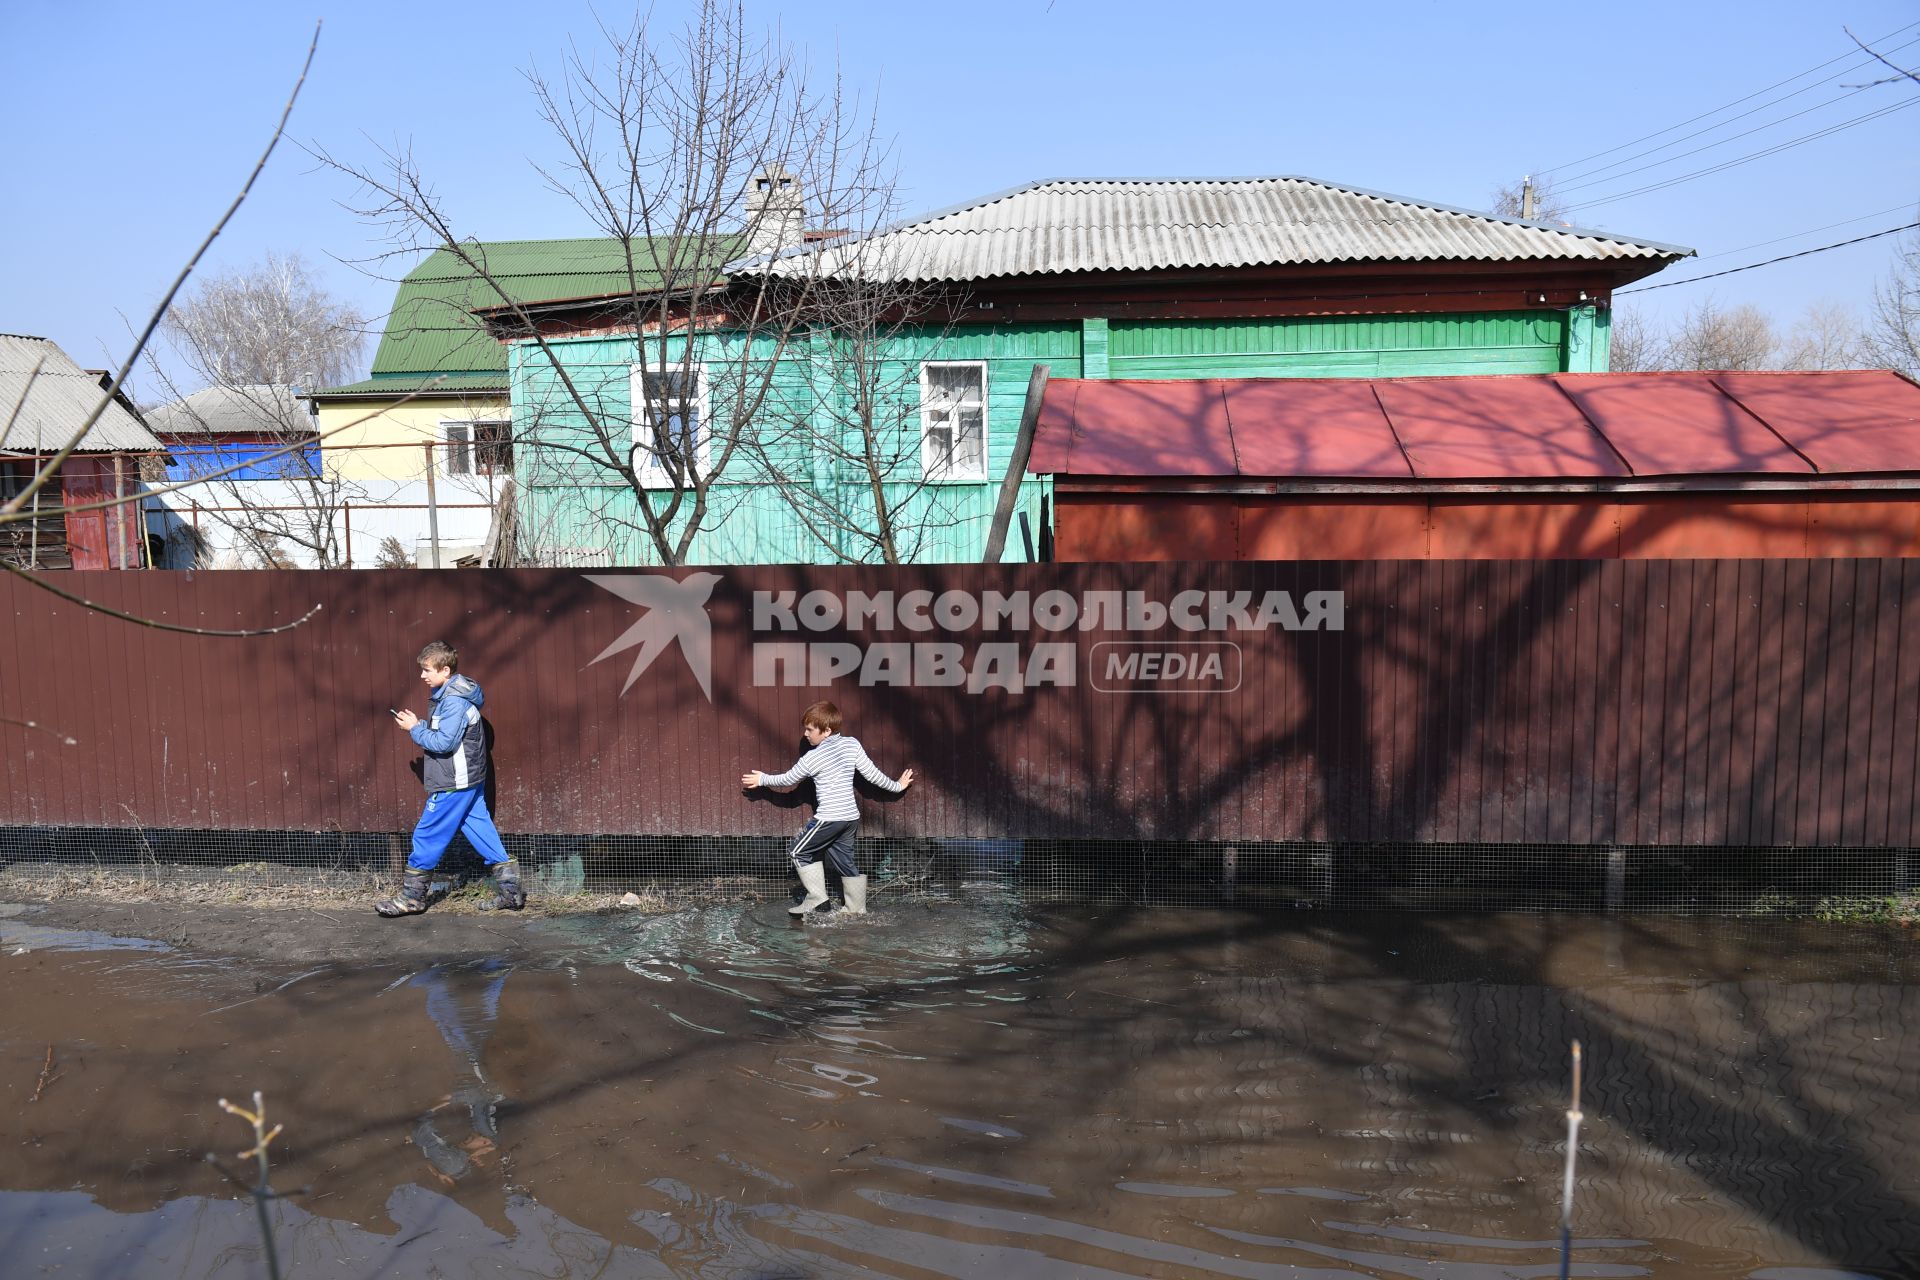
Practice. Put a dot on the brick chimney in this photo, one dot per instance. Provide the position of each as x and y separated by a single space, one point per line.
776 219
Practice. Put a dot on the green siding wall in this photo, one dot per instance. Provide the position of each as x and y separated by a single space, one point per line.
581 510
1340 346
587 512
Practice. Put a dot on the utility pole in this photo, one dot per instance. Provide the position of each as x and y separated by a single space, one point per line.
433 509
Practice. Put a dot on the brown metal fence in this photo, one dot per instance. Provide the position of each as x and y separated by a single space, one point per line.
1584 702
1553 705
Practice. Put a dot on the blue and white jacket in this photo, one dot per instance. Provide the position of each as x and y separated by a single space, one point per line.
453 737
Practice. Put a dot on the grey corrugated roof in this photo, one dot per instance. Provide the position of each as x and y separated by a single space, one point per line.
248 410
53 403
1068 225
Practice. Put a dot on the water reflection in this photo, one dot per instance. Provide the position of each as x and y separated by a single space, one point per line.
464 1002
968 1088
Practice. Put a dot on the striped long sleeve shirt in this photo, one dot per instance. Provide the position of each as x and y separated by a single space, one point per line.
831 766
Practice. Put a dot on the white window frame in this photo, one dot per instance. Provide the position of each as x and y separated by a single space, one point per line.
462 457
648 469
930 466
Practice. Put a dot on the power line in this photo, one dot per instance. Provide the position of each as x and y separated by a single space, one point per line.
1751 266
1724 106
1750 156
1584 173
1795 235
1705 146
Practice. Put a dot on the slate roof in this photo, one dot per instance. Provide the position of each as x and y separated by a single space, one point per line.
1068 225
45 396
249 410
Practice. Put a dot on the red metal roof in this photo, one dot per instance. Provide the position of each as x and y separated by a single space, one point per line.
1525 427
1668 424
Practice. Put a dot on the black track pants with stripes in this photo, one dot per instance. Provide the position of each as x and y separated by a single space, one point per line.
830 840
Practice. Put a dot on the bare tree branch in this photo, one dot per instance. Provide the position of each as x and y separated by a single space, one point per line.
96 607
159 312
1903 72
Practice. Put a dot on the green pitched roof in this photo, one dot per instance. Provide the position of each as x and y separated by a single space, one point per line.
432 331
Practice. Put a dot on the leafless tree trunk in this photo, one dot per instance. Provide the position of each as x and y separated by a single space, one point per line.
661 139
1893 332
846 444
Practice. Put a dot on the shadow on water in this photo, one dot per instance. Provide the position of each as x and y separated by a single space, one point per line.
969 1087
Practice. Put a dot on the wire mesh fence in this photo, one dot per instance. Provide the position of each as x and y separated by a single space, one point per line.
1287 875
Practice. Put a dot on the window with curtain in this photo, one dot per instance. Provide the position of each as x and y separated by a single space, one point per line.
953 420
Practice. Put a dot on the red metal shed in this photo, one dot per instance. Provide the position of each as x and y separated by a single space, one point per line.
1560 466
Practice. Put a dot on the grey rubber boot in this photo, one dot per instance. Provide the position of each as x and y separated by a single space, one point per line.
814 877
507 893
855 887
412 898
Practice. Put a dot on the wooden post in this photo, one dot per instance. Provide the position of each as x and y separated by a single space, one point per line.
346 543
1016 466
118 511
433 509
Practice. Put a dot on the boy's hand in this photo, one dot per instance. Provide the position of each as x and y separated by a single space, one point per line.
748 781
906 779
406 720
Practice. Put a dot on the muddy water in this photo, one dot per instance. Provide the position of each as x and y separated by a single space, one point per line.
968 1089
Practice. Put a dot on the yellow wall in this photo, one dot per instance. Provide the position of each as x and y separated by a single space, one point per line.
348 448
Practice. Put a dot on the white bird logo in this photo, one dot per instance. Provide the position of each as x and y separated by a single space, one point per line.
675 610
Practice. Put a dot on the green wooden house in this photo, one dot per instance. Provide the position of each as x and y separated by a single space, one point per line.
1120 279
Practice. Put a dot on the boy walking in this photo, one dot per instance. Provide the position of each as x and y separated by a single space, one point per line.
830 762
455 774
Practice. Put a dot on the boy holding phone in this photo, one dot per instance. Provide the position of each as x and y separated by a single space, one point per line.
455 773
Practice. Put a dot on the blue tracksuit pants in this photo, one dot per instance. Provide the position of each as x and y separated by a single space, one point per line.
448 812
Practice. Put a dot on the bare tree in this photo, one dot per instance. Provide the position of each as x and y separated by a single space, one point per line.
1893 332
689 150
1533 199
1712 337
271 323
871 426
253 337
1637 345
1826 336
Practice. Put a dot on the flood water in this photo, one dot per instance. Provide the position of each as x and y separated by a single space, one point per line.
968 1088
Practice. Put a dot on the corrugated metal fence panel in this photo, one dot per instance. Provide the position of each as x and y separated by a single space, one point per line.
1708 702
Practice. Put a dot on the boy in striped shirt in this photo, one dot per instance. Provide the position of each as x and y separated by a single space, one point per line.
830 761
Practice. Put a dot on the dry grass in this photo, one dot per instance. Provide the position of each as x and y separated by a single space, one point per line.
260 885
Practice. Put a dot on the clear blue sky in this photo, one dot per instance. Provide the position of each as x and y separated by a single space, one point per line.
129 126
